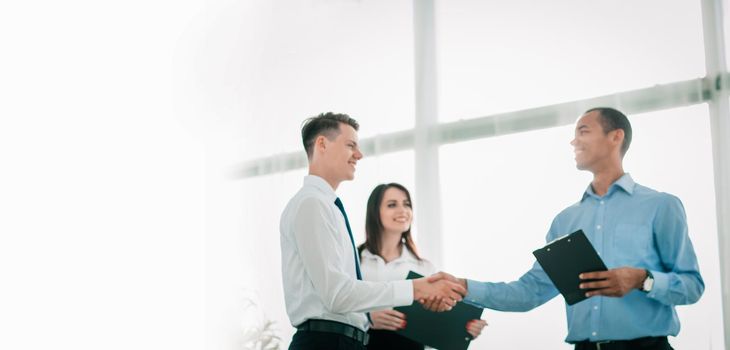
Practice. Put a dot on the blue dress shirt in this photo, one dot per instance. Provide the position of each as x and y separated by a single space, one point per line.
631 225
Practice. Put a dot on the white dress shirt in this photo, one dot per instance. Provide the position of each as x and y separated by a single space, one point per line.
318 263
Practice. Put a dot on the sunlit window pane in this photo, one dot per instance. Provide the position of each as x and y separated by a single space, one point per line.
498 56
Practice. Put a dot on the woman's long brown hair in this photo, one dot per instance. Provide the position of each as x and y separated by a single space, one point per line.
374 224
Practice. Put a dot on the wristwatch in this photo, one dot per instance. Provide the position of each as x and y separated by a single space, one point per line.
648 282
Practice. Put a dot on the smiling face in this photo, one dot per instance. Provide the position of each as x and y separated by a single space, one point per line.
396 213
594 149
336 156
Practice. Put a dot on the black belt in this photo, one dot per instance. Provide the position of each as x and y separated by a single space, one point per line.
335 327
639 343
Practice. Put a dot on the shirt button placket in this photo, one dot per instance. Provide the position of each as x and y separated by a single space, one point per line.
595 315
599 240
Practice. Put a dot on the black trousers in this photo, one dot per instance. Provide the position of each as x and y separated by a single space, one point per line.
389 340
655 343
309 340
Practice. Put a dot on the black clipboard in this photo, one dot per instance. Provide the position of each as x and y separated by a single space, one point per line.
567 257
439 330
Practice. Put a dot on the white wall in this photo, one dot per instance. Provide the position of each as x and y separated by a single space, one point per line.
102 185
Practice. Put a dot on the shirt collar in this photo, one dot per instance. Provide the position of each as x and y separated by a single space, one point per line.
405 256
321 185
625 183
366 254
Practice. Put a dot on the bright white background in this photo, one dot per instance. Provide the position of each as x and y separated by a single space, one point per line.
102 186
502 56
122 227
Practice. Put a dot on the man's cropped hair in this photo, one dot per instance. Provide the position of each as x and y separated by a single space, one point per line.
326 124
611 119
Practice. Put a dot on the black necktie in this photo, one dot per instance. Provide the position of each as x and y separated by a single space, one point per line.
338 203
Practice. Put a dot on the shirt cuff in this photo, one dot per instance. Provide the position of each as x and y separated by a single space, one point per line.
475 292
661 285
403 292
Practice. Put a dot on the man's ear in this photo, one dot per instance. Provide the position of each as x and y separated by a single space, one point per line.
320 143
618 137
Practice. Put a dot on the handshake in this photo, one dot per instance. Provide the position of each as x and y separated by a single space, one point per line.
439 292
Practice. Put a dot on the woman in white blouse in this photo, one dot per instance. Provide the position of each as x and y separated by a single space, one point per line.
388 254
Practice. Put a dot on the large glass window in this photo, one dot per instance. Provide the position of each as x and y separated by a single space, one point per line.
500 195
294 60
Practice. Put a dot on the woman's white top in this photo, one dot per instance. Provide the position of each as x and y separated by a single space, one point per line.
374 268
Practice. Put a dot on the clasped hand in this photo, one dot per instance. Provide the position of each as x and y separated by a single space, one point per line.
439 292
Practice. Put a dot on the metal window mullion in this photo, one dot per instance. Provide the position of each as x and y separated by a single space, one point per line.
428 185
431 134
719 108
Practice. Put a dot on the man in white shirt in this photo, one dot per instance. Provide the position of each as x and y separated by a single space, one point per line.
326 299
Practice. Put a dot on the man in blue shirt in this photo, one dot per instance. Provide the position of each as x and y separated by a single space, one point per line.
640 234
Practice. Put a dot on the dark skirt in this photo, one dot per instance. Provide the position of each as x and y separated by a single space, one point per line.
387 340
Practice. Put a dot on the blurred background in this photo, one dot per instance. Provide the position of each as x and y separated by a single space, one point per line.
149 147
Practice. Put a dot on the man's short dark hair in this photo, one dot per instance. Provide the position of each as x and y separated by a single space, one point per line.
612 119
326 124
